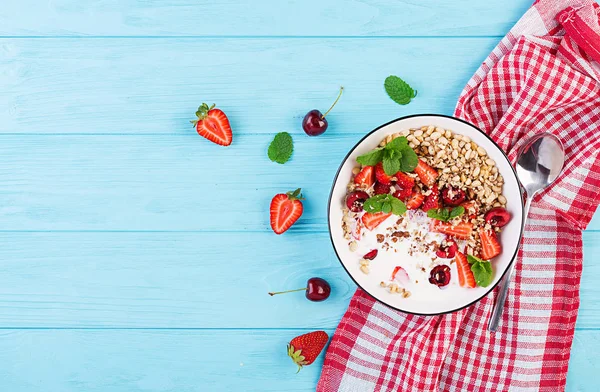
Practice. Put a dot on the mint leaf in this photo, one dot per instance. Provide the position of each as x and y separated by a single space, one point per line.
398 207
398 143
384 203
456 212
441 214
473 259
409 160
391 165
399 90
281 148
371 158
482 271
445 214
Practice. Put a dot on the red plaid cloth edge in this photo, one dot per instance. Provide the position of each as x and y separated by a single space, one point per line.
542 77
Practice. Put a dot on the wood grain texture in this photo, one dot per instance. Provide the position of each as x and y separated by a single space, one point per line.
259 18
188 361
154 86
188 280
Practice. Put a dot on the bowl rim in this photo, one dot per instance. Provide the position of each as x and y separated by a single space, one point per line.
335 179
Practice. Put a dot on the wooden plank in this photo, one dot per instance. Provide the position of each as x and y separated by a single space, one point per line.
154 86
167 280
262 18
160 182
138 360
188 280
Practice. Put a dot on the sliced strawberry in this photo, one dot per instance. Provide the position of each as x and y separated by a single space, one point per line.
403 194
381 176
471 209
426 173
432 200
490 247
465 275
366 177
371 220
213 125
461 230
400 275
285 210
404 181
415 201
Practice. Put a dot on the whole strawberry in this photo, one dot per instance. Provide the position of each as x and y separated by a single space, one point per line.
213 125
304 349
285 210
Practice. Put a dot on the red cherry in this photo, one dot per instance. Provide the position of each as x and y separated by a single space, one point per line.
314 123
440 275
316 289
453 196
447 249
371 255
381 189
497 217
355 200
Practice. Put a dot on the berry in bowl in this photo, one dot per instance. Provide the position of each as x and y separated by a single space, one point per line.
426 214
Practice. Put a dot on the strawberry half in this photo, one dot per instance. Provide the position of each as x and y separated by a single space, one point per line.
432 200
465 275
490 247
304 349
381 176
426 173
213 125
372 220
285 209
404 181
461 230
415 201
366 177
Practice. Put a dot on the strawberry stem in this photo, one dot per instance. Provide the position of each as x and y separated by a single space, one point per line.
288 291
336 101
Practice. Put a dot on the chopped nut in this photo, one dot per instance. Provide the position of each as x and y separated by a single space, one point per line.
481 152
382 284
364 269
490 162
353 246
356 170
418 133
364 262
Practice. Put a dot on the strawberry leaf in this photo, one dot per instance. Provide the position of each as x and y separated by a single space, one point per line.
398 90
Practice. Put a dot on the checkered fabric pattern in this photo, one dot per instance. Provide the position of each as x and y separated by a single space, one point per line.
544 76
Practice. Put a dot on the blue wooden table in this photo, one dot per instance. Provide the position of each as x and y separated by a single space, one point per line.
137 256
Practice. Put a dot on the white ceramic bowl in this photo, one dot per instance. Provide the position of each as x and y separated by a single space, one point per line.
429 300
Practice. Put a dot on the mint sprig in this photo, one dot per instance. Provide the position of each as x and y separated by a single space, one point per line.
385 203
396 156
446 214
482 270
281 148
399 90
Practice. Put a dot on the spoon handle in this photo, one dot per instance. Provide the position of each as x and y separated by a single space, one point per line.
499 306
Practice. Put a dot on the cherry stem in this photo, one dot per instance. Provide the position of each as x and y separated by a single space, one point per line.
336 101
289 291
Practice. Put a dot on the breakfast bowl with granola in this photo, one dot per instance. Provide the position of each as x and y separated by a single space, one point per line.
426 214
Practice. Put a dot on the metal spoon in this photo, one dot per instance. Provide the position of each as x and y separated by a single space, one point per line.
539 163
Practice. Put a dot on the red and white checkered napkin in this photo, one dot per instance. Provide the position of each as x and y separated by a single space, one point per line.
544 76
